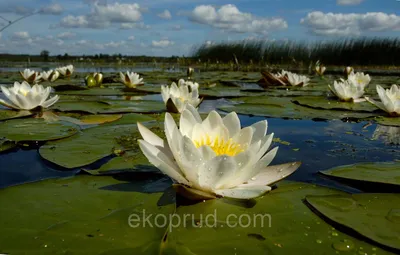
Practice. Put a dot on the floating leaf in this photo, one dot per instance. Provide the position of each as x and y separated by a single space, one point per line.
36 130
375 216
6 145
11 114
328 104
83 215
99 118
278 223
92 144
388 121
369 174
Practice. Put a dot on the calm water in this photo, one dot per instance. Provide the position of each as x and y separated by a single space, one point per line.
319 145
88 69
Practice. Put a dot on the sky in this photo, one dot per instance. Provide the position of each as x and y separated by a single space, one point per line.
176 27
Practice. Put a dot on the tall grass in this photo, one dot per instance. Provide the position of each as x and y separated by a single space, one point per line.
361 51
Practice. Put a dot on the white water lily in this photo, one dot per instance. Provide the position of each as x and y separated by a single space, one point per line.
360 79
51 75
390 99
24 97
347 90
296 79
98 77
176 97
214 157
30 76
273 79
66 71
348 70
131 79
320 69
193 85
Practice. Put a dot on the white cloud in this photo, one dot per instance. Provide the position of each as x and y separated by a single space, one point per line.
103 15
228 17
74 21
165 15
339 24
131 38
53 9
139 25
23 35
162 43
177 27
66 35
349 2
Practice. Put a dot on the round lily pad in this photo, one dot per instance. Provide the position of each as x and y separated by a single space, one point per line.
370 174
277 223
375 216
36 130
83 214
11 114
329 104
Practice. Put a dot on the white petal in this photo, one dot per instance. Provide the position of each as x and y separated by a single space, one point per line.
50 102
232 123
216 172
259 130
244 193
162 162
244 137
272 174
194 112
189 160
10 105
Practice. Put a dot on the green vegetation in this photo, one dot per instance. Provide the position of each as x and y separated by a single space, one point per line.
354 52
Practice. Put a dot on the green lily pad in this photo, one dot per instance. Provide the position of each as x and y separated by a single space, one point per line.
36 130
6 145
278 223
99 118
68 87
81 215
111 106
370 174
98 92
388 121
93 144
329 104
375 216
10 114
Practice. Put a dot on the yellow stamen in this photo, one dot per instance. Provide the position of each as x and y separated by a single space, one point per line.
219 145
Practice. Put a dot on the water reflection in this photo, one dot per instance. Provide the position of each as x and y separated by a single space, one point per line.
388 134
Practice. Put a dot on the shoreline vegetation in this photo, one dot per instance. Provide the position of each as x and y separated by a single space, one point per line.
377 55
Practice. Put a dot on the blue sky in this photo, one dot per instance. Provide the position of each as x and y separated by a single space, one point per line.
174 27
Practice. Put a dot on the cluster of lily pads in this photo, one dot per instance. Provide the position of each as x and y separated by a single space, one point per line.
208 157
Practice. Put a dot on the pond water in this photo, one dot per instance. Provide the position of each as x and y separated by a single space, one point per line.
93 69
89 136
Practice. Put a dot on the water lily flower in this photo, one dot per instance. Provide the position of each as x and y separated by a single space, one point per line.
30 76
360 79
24 97
348 70
131 79
190 72
390 99
176 97
320 69
271 79
192 85
94 80
347 91
66 71
214 157
296 79
51 75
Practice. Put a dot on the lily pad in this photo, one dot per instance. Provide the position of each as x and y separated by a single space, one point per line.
6 145
36 130
388 121
112 106
375 216
10 114
278 223
370 174
98 92
329 104
99 118
68 87
82 215
92 144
